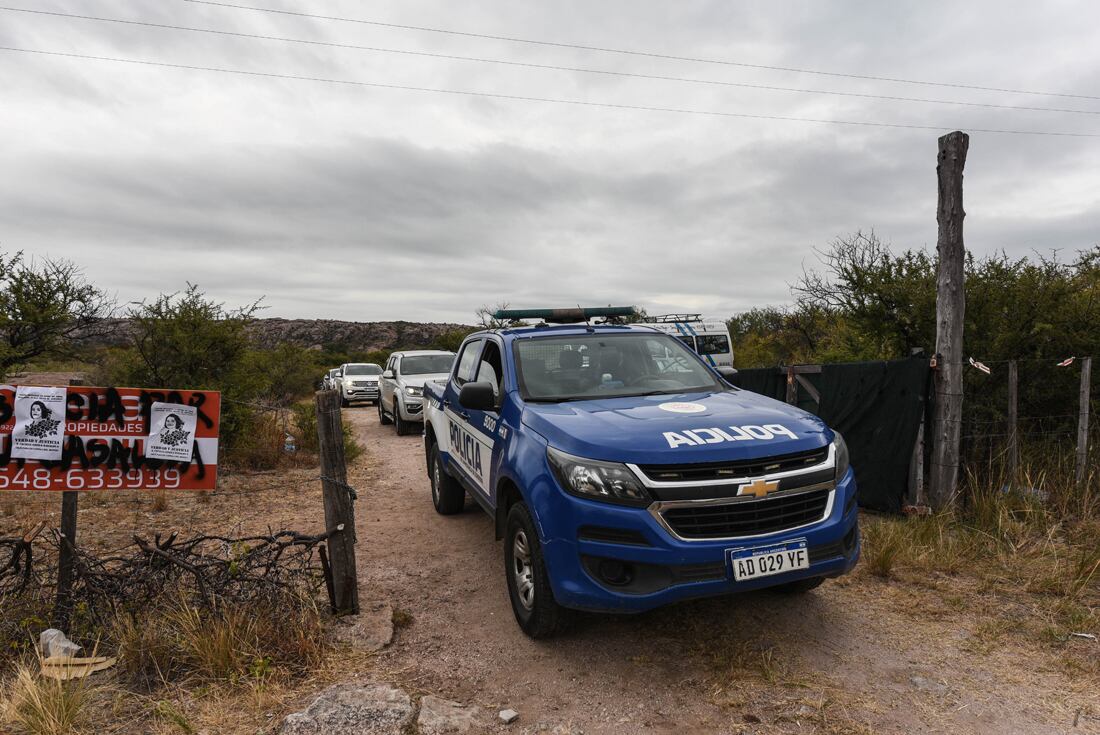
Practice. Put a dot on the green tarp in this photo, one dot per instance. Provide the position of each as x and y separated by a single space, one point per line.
877 406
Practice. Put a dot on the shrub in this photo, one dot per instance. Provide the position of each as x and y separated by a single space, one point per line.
305 425
259 441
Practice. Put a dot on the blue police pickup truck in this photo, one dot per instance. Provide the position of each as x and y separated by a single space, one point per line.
624 473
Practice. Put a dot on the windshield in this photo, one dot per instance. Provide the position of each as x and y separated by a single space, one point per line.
426 364
368 369
590 366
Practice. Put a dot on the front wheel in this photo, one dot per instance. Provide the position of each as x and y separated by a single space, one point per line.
344 402
536 611
403 427
448 497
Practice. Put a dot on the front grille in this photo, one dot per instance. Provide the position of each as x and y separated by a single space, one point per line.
704 471
748 517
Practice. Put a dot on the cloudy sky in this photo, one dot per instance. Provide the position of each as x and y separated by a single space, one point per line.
362 202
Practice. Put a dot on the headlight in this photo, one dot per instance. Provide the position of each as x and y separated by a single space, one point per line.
842 461
592 478
413 391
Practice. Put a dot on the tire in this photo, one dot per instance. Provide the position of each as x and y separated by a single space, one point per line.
536 611
382 417
344 402
800 587
448 497
403 427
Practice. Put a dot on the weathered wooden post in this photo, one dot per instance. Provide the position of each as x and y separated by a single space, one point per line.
1083 420
950 313
66 561
339 513
1013 442
66 556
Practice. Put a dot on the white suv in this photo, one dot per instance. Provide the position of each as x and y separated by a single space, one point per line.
359 382
399 399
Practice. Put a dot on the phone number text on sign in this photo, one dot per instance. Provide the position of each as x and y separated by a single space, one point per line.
105 443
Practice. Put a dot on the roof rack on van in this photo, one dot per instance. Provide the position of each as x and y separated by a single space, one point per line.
565 316
669 318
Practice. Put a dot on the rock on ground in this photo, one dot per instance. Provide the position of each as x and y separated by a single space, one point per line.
371 630
354 709
438 716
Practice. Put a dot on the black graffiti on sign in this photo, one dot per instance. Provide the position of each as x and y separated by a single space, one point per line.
110 407
122 454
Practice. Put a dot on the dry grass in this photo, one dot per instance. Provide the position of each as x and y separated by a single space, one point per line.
38 705
160 502
401 618
736 660
1038 568
883 544
235 644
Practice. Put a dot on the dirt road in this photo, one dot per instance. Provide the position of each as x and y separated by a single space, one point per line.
856 655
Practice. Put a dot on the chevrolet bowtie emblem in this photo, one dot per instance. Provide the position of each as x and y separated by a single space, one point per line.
758 488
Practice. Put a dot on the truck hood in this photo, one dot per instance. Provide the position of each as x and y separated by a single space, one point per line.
673 429
418 381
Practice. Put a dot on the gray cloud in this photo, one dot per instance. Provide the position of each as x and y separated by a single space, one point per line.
357 203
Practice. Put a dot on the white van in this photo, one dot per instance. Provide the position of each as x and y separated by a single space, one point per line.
709 337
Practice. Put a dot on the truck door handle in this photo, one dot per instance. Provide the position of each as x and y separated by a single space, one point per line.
463 415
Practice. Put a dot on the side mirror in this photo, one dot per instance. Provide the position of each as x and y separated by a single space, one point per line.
477 396
729 375
387 374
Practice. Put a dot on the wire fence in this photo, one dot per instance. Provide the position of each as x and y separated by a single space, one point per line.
1052 404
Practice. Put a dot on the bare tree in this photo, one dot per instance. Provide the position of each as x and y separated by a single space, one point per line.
486 319
46 308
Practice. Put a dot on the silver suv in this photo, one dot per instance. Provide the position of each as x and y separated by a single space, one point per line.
359 382
399 400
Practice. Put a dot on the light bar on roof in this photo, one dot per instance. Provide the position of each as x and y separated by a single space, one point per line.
565 316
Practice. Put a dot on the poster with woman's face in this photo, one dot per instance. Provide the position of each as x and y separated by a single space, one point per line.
39 431
171 431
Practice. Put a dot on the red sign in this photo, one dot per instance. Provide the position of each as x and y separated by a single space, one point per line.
104 443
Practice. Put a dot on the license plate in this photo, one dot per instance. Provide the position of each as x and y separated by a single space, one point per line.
764 561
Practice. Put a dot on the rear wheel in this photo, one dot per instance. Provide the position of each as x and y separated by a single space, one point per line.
536 611
448 497
382 417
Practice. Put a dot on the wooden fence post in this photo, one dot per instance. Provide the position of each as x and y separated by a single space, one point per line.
66 556
66 561
950 313
1013 441
1083 420
339 513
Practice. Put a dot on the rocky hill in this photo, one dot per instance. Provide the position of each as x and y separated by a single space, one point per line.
349 336
315 334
